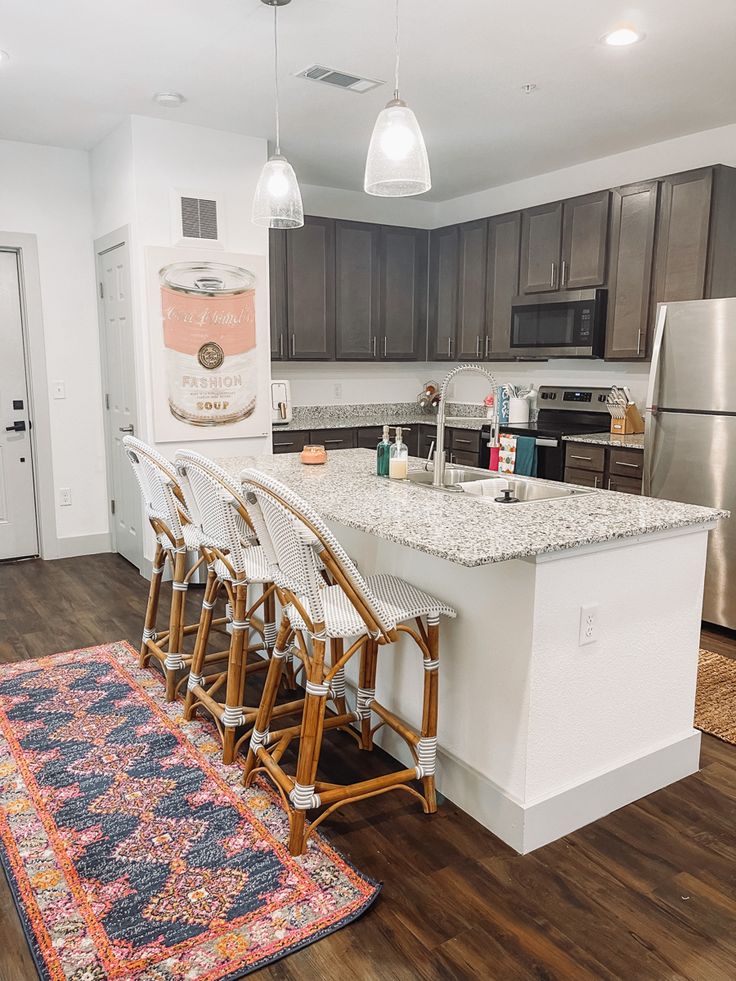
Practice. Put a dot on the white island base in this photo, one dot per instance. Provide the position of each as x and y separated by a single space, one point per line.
539 735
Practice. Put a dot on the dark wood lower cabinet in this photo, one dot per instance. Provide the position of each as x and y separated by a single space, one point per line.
463 445
289 441
583 478
616 468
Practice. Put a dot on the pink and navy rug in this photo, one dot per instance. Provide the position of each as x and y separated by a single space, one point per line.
131 850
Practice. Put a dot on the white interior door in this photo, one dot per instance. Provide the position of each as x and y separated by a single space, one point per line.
116 322
18 529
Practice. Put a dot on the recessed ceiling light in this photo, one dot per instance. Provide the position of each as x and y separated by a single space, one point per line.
621 36
4 56
170 100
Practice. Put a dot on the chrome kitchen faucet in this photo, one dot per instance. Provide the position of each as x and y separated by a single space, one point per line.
439 453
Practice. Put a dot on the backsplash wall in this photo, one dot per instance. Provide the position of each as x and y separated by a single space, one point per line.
334 382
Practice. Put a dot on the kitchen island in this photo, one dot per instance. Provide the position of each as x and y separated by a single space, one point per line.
539 733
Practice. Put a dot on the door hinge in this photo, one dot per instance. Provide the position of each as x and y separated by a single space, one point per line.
112 507
107 401
102 291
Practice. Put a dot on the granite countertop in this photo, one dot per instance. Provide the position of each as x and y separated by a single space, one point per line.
633 442
381 414
466 530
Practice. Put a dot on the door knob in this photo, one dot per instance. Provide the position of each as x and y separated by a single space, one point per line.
18 427
127 429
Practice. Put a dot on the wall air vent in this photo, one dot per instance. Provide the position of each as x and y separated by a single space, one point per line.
342 80
196 218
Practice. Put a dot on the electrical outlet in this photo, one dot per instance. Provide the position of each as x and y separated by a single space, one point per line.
58 390
65 497
337 390
588 625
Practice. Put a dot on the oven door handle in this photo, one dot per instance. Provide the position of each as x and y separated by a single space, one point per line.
547 442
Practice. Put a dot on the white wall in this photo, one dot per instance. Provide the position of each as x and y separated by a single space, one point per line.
333 202
45 191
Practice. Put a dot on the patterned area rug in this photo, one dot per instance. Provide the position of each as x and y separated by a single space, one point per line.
131 851
715 702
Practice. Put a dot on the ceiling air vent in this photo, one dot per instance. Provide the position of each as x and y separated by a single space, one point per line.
199 218
342 80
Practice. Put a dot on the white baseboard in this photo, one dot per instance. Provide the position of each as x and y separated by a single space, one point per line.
84 545
525 828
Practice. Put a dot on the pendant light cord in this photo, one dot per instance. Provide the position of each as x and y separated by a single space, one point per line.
276 77
396 44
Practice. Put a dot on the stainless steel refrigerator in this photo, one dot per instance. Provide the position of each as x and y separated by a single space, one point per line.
690 450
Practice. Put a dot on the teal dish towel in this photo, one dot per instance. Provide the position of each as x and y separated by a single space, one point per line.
526 456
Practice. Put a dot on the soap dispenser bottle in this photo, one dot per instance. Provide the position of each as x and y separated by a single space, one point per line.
399 460
383 454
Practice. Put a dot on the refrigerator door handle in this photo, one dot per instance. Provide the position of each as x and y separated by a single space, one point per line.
650 415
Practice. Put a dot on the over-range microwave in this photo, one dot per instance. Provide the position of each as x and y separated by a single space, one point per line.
571 324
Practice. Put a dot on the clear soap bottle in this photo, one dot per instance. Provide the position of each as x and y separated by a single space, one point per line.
399 461
383 454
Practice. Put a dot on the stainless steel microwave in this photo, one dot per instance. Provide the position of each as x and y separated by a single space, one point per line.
571 324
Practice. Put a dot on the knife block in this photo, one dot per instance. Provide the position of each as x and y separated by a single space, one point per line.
631 422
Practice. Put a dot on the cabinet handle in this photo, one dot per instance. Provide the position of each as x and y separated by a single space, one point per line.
449 347
465 442
293 345
634 466
595 481
638 342
326 441
385 346
563 272
552 275
281 345
573 456
477 346
279 443
374 345
610 481
486 347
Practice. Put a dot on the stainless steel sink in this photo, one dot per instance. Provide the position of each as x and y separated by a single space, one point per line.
487 485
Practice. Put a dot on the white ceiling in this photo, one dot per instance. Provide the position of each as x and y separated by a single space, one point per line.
79 66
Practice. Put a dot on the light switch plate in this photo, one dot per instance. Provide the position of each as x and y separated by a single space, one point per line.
58 390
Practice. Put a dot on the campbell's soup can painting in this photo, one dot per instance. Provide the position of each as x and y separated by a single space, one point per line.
209 325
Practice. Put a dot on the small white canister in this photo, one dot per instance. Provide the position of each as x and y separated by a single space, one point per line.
209 328
518 412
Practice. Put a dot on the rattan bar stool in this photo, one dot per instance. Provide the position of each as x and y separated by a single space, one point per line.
239 563
176 537
376 611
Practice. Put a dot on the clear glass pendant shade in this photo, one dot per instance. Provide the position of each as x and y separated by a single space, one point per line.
278 200
397 164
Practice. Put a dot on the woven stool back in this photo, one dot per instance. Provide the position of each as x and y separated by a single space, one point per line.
296 538
162 496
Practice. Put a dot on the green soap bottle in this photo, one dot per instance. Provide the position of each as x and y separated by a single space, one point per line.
383 454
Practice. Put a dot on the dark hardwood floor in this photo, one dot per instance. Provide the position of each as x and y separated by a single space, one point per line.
646 893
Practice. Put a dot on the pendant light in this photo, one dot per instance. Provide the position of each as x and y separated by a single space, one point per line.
278 201
397 164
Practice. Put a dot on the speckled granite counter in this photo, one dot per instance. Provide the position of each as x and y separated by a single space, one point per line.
306 417
462 529
634 442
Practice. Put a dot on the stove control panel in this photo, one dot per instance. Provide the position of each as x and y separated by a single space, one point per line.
577 399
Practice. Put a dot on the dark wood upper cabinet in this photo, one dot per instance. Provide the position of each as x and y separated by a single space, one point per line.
502 282
443 284
584 241
541 235
403 300
633 221
682 236
310 277
277 293
357 290
471 297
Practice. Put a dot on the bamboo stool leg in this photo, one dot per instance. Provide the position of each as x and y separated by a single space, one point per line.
303 796
367 691
337 649
154 591
259 735
174 661
269 619
211 590
427 746
232 716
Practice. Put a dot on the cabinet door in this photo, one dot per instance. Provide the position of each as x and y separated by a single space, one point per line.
310 276
443 281
277 292
634 214
502 282
369 437
682 236
403 320
541 231
471 304
584 478
286 441
357 286
334 439
584 241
